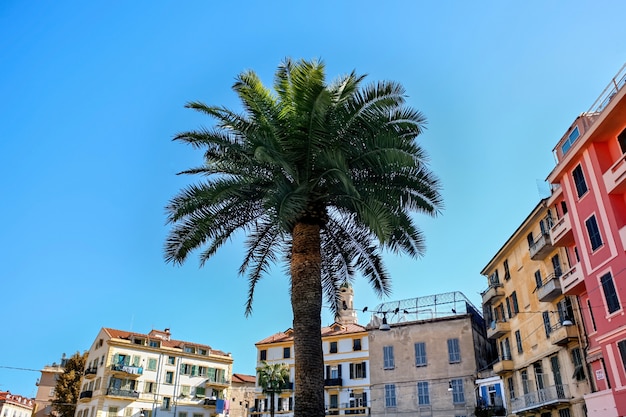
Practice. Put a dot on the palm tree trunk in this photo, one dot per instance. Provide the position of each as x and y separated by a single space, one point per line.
306 303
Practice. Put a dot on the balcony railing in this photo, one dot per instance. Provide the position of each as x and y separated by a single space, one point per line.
541 247
85 394
91 372
333 382
498 328
218 382
615 177
117 392
573 281
561 233
127 369
493 293
210 402
541 398
550 288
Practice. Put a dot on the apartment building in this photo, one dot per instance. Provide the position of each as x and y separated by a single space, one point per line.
45 388
152 375
345 348
12 405
537 329
589 208
424 354
242 394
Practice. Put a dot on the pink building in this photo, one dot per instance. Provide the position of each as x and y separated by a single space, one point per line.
588 207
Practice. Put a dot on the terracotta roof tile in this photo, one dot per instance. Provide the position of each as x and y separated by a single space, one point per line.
334 329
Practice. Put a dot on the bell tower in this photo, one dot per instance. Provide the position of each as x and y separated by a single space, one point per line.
346 314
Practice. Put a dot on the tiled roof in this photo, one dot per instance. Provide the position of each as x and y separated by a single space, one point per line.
242 378
7 397
171 343
335 329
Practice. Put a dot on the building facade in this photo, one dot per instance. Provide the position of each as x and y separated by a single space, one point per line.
347 378
424 354
589 207
45 388
12 405
152 375
243 392
537 329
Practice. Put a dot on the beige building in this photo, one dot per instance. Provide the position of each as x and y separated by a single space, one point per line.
536 328
131 374
242 393
45 388
424 354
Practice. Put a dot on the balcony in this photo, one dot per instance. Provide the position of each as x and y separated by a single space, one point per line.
615 177
126 393
218 382
503 366
493 293
90 373
210 402
550 288
573 281
85 395
545 397
333 382
541 247
622 236
561 233
562 335
127 370
498 329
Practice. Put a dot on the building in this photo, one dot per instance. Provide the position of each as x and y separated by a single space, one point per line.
152 375
491 400
45 388
535 326
345 347
589 208
12 405
243 392
424 354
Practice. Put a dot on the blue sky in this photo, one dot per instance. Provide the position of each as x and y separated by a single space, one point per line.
91 94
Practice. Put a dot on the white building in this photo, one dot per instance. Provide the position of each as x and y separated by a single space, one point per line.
12 405
151 375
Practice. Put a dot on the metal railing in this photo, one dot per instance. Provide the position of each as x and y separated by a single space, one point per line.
616 84
540 398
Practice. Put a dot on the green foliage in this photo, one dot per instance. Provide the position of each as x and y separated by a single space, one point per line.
67 388
272 379
340 155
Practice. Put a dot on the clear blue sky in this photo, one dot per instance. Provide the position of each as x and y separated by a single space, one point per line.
91 93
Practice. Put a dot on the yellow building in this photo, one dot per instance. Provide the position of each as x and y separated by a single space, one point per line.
537 329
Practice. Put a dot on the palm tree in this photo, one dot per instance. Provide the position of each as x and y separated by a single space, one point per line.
319 175
272 378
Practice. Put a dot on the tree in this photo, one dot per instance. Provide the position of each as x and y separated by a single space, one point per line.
67 388
319 175
272 379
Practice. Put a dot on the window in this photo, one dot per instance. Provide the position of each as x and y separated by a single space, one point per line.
571 138
621 139
577 360
149 387
167 401
390 395
423 397
594 232
185 390
579 181
538 279
356 344
112 411
333 347
128 412
458 397
197 415
200 392
358 370
152 364
169 377
518 340
263 355
593 320
420 354
454 352
171 360
182 414
514 303
334 404
507 273
530 239
510 383
564 412
610 295
505 349
154 343
333 371
546 323
388 362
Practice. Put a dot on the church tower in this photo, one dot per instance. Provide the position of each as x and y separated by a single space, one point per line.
346 314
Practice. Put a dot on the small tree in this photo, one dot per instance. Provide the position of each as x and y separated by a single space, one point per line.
272 378
67 388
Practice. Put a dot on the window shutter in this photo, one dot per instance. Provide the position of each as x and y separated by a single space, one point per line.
339 370
351 371
364 373
327 372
